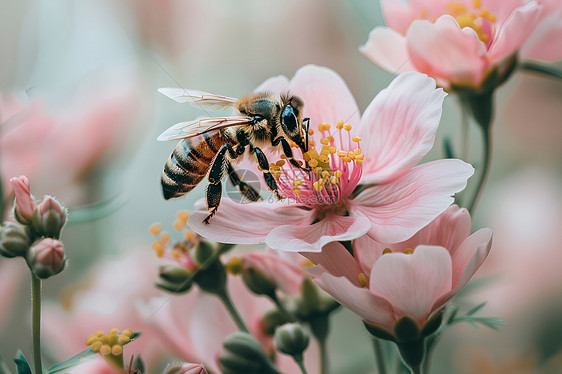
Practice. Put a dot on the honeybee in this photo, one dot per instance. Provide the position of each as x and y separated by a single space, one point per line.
210 145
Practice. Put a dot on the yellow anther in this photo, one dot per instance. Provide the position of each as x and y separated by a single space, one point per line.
234 266
297 191
325 174
310 132
113 331
423 14
351 154
182 215
386 250
356 139
311 143
324 126
334 180
307 264
99 333
165 237
105 349
91 339
273 167
359 162
362 280
179 224
330 138
176 253
297 182
324 159
333 150
158 248
280 163
318 170
456 8
337 173
313 153
324 141
317 186
306 157
477 3
123 339
360 156
487 15
116 350
339 125
313 163
190 236
96 346
347 127
155 229
408 251
346 159
342 153
283 156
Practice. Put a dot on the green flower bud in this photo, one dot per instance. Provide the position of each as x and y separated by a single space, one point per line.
258 282
291 339
204 251
49 218
242 354
14 241
212 279
273 319
174 279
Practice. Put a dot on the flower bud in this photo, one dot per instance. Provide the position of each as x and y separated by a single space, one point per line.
272 319
291 339
14 241
186 368
258 282
174 279
204 251
49 218
212 279
46 258
242 354
24 205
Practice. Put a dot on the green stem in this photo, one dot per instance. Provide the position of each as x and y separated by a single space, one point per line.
541 69
290 316
324 366
430 347
36 322
233 312
485 173
299 360
379 356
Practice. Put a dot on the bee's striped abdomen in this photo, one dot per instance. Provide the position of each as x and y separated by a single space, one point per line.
189 163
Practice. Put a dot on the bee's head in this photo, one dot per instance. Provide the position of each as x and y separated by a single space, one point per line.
291 118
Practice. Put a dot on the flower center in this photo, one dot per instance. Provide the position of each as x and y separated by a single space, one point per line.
479 19
331 171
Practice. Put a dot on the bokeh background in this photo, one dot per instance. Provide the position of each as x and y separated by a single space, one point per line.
80 114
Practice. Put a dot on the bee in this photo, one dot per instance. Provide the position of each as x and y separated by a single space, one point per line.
209 146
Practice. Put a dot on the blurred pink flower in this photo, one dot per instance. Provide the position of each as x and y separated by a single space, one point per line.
193 326
383 283
25 205
462 42
107 299
397 130
186 368
95 365
11 276
67 145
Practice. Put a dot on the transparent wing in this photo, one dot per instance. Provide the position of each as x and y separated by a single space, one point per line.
196 97
184 130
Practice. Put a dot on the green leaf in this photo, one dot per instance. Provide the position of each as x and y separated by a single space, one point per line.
476 309
77 358
21 364
541 69
96 211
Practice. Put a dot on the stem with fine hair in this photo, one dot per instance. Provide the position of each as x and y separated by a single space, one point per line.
36 322
379 356
234 314
485 174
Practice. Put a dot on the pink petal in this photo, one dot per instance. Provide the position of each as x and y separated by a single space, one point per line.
466 260
287 276
274 85
387 48
371 308
244 223
337 261
300 237
397 210
399 127
366 252
326 96
397 15
412 282
545 43
443 50
515 31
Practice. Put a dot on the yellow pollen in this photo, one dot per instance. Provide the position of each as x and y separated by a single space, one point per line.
190 236
333 150
324 126
317 186
347 127
337 173
116 350
310 132
105 349
471 18
362 280
113 331
183 216
359 162
283 156
325 174
360 156
386 250
273 167
346 159
123 339
318 170
311 143
325 141
158 248
313 163
280 163
297 191
334 180
423 13
176 253
356 139
155 229
297 182
165 237
234 266
179 224
91 339
408 251
486 14
307 264
477 3
324 159
456 8
96 346
330 138
339 125
342 153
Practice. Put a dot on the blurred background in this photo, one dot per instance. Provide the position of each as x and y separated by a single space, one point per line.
80 115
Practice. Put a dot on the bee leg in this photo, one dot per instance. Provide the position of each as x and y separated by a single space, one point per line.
214 189
287 151
306 125
264 166
247 191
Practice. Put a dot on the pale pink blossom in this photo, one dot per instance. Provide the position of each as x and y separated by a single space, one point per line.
187 368
46 258
462 42
25 204
95 365
383 283
379 151
11 277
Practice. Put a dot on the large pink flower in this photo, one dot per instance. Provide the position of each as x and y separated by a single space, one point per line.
383 283
378 152
461 42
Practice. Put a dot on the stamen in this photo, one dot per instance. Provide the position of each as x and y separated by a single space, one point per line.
362 280
234 266
155 229
408 251
386 251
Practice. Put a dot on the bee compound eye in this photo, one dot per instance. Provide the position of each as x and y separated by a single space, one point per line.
289 120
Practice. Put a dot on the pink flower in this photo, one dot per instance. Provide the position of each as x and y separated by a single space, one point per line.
325 205
46 258
25 205
383 283
95 365
187 369
462 42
